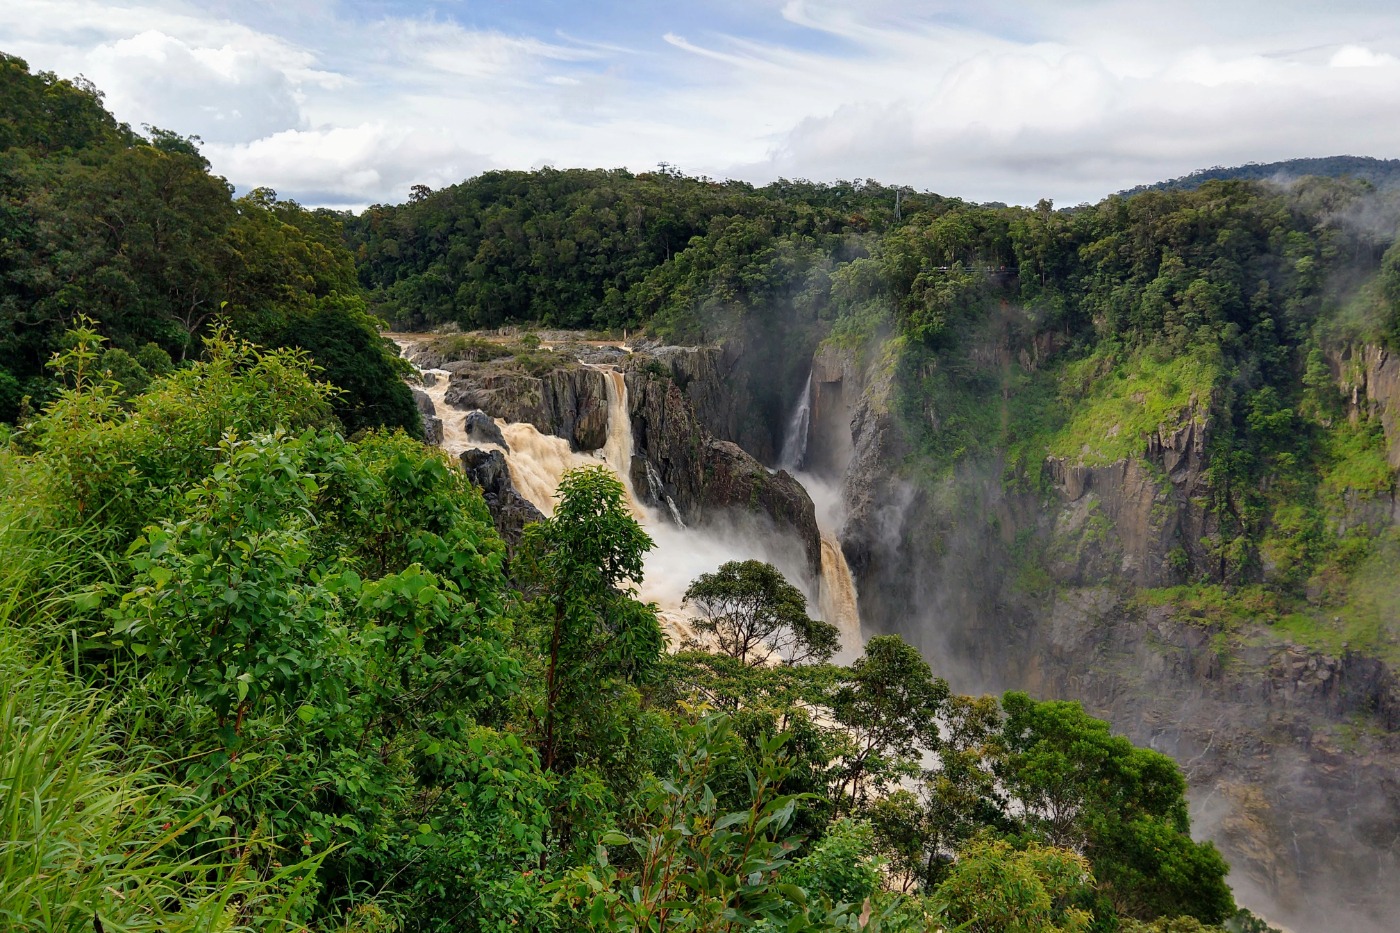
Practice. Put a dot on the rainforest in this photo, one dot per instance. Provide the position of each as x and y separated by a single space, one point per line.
598 550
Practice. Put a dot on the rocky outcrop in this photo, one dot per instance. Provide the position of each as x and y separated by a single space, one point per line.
1370 376
432 424
837 393
481 428
679 466
715 383
703 476
568 401
510 511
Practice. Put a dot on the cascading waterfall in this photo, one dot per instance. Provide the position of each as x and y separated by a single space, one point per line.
538 461
794 452
837 587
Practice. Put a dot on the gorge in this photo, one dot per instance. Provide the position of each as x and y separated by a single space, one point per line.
1288 776
786 528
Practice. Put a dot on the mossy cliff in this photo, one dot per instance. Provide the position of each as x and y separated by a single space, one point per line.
1110 570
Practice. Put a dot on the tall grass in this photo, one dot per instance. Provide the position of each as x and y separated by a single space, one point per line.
91 837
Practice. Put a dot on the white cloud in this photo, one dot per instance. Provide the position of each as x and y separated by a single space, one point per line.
1357 56
1002 100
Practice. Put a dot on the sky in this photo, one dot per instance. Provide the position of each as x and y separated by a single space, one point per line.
344 104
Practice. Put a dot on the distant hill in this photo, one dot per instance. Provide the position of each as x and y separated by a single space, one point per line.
1383 173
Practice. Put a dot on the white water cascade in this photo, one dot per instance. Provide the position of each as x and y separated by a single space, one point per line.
538 461
837 595
794 451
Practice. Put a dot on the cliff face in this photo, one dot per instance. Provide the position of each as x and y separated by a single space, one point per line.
677 458
715 384
510 511
1371 377
1293 754
1146 508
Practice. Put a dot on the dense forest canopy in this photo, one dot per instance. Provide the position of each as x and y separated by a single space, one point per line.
272 650
1382 173
135 232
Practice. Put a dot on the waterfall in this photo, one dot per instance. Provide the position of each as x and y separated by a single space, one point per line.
618 448
538 461
794 452
836 595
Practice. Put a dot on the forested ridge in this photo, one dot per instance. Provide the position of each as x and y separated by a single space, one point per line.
134 231
267 665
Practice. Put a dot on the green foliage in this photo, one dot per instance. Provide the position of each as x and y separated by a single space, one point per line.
693 866
994 887
1118 403
94 838
1080 787
887 705
754 615
137 233
345 342
841 868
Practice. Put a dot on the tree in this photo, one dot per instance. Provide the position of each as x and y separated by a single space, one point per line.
1078 786
581 562
888 707
994 888
755 616
690 865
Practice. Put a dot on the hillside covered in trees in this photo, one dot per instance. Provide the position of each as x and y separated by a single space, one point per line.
268 665
134 231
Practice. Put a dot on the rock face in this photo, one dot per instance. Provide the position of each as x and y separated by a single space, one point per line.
715 385
1291 754
432 425
510 511
1148 507
569 401
704 476
481 428
1371 376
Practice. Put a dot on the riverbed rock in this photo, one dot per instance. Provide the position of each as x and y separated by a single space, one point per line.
481 428
510 511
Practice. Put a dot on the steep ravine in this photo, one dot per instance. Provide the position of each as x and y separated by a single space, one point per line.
1293 754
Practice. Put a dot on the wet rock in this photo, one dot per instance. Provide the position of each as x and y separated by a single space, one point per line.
510 511
432 424
706 477
569 401
717 387
481 428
